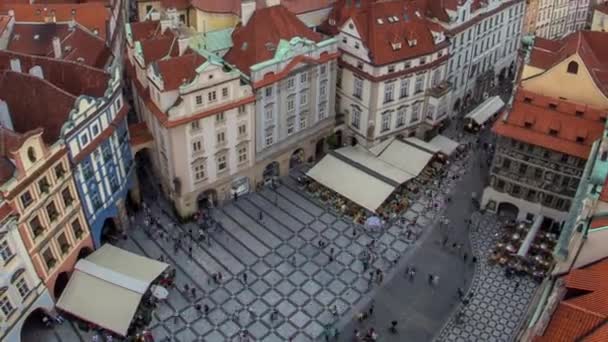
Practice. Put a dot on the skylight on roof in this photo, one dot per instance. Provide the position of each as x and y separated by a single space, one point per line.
390 19
380 21
395 18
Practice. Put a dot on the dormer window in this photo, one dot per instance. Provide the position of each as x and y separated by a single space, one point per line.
552 132
573 68
528 124
31 154
553 105
527 99
380 21
580 140
579 113
396 46
411 42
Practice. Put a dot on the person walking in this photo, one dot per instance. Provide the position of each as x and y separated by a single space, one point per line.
244 277
370 311
516 286
464 257
260 216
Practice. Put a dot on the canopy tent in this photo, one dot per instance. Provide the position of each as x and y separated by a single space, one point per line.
365 159
423 145
106 287
403 155
484 111
351 182
446 145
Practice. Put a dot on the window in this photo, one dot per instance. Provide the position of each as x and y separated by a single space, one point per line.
242 153
391 68
360 65
523 168
199 170
194 125
404 87
221 163
419 84
221 138
212 96
339 78
268 114
22 287
422 60
436 77
224 93
303 119
304 98
323 69
242 109
355 119
199 100
6 306
49 258
36 227
77 228
5 250
67 197
358 88
291 103
95 129
415 112
356 45
26 199
386 121
573 68
389 92
43 185
291 122
83 141
401 117
269 136
323 89
242 130
59 171
197 146
290 83
538 172
219 117
51 211
64 244
430 112
322 112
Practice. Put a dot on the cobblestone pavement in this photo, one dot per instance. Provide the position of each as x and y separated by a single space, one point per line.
497 307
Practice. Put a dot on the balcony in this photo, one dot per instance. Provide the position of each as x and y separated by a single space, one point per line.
439 90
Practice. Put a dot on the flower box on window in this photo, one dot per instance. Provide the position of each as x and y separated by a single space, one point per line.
44 188
53 216
78 233
65 248
38 231
51 263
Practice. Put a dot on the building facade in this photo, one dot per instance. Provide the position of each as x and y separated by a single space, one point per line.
292 71
530 16
21 290
485 40
542 148
557 18
599 21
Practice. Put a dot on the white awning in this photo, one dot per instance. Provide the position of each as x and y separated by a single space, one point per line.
423 144
403 155
358 186
106 287
360 155
445 144
484 111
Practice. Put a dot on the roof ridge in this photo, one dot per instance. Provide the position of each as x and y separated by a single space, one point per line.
27 75
582 309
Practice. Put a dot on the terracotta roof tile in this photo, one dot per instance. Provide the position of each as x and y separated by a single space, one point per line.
304 6
218 6
75 78
598 335
174 71
139 134
254 42
598 222
143 30
532 118
591 46
92 15
77 44
35 103
568 324
159 47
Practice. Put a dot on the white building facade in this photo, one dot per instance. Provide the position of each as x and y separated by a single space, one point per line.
557 18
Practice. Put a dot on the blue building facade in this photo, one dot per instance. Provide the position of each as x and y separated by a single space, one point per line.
99 149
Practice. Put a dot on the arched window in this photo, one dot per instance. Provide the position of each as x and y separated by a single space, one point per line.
572 67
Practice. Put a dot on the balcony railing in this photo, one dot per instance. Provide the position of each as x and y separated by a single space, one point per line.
439 90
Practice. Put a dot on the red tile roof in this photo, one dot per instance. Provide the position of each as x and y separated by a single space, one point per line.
159 47
600 334
4 20
139 134
92 15
177 4
77 44
531 119
591 46
581 314
35 103
266 27
143 30
75 78
305 6
218 6
177 70
598 222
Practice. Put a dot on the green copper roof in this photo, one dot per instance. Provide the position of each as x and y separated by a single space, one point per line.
286 49
213 41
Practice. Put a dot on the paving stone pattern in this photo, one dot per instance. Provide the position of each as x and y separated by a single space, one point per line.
497 307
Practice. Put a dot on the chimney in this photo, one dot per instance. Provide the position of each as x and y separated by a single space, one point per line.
15 65
57 48
270 3
247 9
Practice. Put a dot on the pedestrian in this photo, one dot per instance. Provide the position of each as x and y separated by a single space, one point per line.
190 251
206 309
251 312
430 279
473 260
245 277
370 311
365 265
445 241
293 260
331 251
260 216
273 315
460 293
334 310
464 257
357 334
236 196
186 289
193 292
516 286
198 309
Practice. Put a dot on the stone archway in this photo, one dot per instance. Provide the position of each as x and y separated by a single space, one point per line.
507 210
297 158
60 283
110 231
320 149
32 327
207 199
271 170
